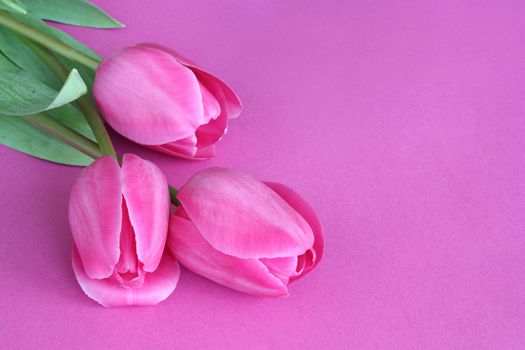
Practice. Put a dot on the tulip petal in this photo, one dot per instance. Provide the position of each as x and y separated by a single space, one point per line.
210 104
186 152
245 275
145 190
185 148
158 285
206 152
148 96
232 103
210 133
312 257
193 153
189 141
240 216
95 216
282 268
128 261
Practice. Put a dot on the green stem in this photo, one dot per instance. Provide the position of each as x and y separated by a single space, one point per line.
64 134
47 41
97 126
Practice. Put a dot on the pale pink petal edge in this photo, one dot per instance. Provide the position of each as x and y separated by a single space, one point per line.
158 285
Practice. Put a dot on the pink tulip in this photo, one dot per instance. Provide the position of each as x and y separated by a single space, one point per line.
155 97
248 235
119 219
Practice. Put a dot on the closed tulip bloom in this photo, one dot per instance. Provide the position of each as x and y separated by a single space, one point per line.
119 220
248 235
155 97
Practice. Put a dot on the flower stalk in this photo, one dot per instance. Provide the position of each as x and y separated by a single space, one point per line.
97 126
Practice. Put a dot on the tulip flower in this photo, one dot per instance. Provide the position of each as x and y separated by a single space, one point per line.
119 220
248 235
155 97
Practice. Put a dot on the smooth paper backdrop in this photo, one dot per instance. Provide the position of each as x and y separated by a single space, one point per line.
402 122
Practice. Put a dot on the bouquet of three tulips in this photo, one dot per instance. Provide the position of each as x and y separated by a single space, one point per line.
130 228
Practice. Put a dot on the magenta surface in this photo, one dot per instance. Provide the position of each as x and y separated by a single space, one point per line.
402 122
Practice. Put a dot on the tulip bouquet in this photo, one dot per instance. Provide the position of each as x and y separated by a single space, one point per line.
130 227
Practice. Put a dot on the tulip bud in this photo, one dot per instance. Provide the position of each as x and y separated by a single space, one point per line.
119 220
248 235
155 97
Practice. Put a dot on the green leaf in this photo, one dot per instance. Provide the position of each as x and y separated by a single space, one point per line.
71 117
21 94
13 5
24 137
60 35
75 12
19 52
87 74
6 65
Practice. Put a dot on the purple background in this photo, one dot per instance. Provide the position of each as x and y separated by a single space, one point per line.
401 122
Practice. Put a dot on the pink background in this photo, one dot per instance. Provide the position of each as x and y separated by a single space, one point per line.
401 122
